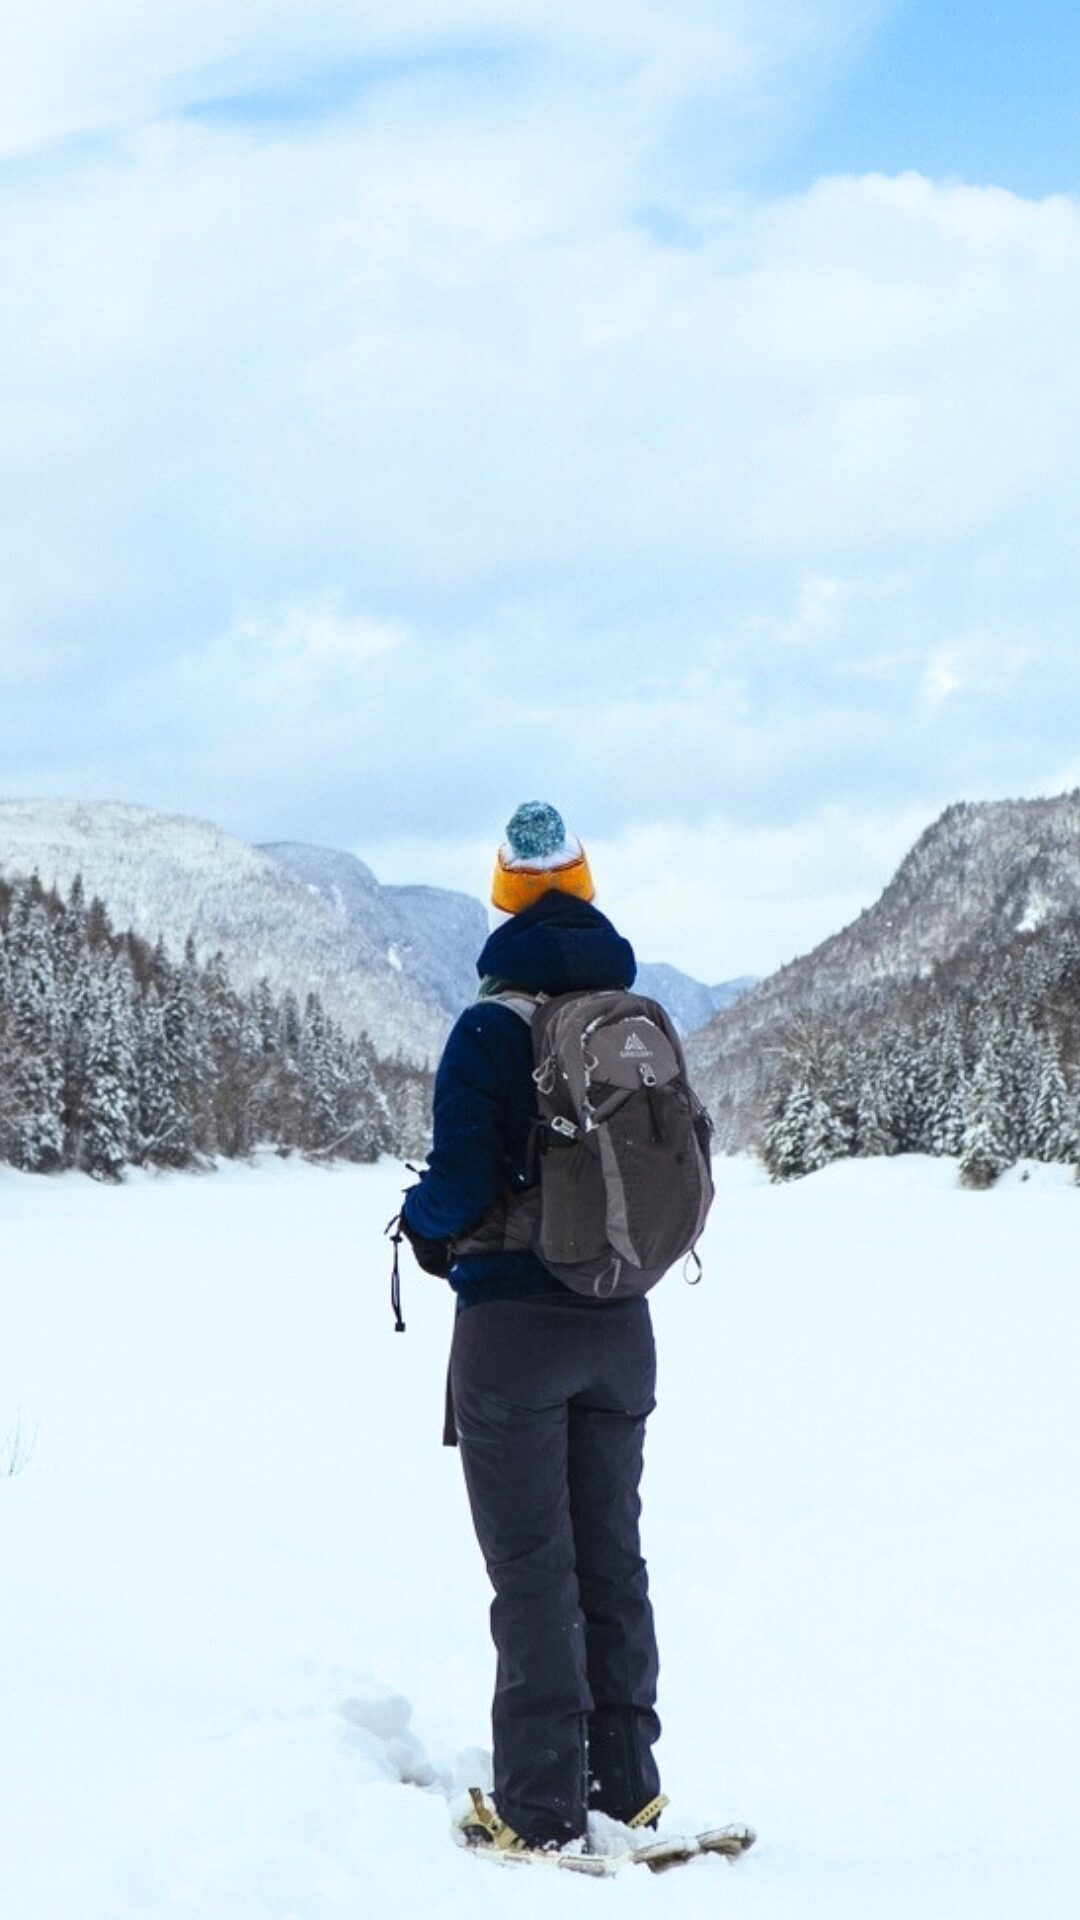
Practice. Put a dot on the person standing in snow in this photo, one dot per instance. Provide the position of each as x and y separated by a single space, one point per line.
550 1389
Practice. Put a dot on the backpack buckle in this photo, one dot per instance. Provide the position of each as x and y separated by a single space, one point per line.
544 1075
568 1128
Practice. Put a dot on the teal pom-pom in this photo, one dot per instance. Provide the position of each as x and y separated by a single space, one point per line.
536 831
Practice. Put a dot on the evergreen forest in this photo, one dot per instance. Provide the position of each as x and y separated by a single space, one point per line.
979 1058
114 1054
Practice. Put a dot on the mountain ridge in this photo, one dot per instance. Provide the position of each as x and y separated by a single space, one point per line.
168 876
395 962
981 874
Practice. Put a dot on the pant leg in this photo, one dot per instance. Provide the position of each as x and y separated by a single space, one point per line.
606 1438
514 1457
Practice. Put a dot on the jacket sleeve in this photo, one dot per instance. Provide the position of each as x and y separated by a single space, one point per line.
466 1166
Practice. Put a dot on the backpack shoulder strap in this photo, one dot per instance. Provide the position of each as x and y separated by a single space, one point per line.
525 1005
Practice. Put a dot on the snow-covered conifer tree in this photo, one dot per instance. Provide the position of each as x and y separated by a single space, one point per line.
111 1090
784 1144
826 1137
287 1111
984 1152
34 1030
403 1114
165 1118
322 1080
109 1052
1052 1124
198 1053
1019 1068
384 1105
946 1089
875 1131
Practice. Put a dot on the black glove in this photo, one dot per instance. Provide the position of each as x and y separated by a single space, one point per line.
432 1255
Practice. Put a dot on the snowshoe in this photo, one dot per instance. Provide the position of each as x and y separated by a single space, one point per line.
483 1830
674 1850
481 1826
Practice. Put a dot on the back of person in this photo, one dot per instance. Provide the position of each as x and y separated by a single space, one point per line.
485 1110
551 1389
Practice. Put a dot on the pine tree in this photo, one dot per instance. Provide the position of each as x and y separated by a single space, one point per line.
875 1132
406 1096
784 1145
259 1040
287 1109
945 1120
34 1028
826 1137
1052 1125
1019 1056
110 1053
322 1082
68 938
110 1100
200 1089
164 1116
911 1078
984 1152
79 1015
223 1017
389 1113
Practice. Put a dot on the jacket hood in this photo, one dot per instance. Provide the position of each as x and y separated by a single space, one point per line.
558 945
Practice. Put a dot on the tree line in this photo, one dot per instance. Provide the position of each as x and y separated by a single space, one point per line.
980 1059
114 1054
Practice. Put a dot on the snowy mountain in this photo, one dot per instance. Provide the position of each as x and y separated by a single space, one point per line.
980 878
690 1003
434 935
398 962
160 874
428 934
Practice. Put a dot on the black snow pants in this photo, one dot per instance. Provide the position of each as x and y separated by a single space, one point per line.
551 1396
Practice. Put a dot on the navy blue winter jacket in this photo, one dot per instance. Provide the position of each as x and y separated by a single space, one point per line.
484 1095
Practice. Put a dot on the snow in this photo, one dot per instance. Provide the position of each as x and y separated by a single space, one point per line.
1036 912
243 1639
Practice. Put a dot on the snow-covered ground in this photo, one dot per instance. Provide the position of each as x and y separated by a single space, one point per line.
243 1638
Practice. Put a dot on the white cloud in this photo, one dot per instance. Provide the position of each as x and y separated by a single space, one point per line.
395 342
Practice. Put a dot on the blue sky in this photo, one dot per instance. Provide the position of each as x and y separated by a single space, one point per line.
975 90
662 409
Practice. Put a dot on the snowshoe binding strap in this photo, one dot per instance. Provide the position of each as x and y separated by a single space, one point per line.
483 1827
649 1814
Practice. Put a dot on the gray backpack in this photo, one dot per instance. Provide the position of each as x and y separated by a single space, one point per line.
625 1182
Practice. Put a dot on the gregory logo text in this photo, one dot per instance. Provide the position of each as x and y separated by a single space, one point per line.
635 1046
